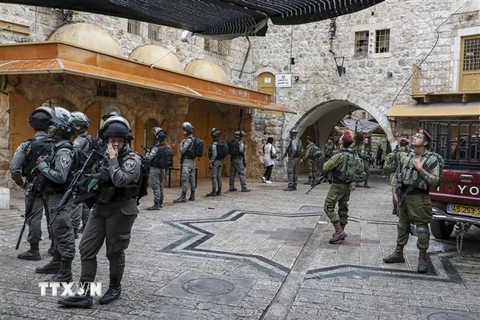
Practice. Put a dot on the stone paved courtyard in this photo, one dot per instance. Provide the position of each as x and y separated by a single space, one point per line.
260 255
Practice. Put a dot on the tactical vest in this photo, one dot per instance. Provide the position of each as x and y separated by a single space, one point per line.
51 186
411 176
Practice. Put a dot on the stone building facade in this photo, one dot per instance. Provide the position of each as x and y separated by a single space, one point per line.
376 49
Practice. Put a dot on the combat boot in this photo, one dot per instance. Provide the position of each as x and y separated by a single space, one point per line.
338 235
219 192
32 254
51 250
342 225
245 189
79 301
192 196
422 261
113 292
396 256
156 206
53 266
212 194
309 181
182 198
233 189
288 189
65 273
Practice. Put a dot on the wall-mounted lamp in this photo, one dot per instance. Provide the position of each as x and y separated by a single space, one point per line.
296 78
339 62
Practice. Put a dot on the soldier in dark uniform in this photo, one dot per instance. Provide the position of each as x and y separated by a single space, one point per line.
216 165
56 169
85 143
157 173
238 162
23 162
362 151
339 191
113 216
420 170
188 164
294 150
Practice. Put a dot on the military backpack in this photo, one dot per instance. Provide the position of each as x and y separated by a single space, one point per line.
352 168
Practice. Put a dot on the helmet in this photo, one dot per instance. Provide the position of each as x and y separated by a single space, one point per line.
40 118
80 119
239 134
187 127
116 126
216 133
160 134
62 121
293 132
111 112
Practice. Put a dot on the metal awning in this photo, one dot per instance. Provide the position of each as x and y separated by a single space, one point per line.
435 110
215 18
57 57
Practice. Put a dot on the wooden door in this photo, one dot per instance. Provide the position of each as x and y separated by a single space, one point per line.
204 116
20 130
93 114
266 84
470 64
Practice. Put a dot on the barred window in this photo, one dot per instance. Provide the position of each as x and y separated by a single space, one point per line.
106 89
471 54
153 32
361 43
221 47
382 41
133 27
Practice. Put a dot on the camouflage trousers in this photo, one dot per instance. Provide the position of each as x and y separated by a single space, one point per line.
415 209
338 193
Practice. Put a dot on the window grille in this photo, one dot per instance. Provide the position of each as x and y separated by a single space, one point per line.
382 41
133 27
153 32
361 43
471 54
106 89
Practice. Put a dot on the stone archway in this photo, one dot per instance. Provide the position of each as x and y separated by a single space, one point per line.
326 114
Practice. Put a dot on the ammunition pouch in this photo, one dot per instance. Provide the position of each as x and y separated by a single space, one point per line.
111 194
106 195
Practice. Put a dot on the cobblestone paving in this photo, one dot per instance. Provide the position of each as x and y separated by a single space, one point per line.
265 255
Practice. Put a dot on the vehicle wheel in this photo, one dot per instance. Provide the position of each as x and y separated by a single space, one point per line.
441 229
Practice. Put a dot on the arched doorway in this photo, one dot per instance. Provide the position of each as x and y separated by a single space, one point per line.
266 84
148 137
204 116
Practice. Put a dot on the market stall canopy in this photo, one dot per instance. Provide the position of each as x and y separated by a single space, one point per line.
225 19
360 125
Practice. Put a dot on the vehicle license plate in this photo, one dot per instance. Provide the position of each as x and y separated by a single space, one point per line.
457 209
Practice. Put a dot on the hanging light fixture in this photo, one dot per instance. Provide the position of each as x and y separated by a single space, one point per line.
339 63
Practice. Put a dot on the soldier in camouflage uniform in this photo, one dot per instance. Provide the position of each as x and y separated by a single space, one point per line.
362 151
310 155
339 191
22 164
83 142
115 212
294 150
56 170
401 150
420 170
188 164
216 165
329 148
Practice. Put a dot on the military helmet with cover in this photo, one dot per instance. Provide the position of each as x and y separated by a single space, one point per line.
293 132
61 123
187 127
40 119
239 134
80 120
116 126
160 134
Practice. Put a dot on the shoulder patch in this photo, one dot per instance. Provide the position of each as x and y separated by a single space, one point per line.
65 161
129 164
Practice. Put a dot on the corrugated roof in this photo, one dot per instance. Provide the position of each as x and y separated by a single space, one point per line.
217 18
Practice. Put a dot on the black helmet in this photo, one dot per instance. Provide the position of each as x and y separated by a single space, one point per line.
293 131
160 134
239 134
62 121
111 112
216 133
116 126
80 119
187 127
40 119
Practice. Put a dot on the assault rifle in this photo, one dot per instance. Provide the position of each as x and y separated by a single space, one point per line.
31 194
73 185
147 150
318 179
